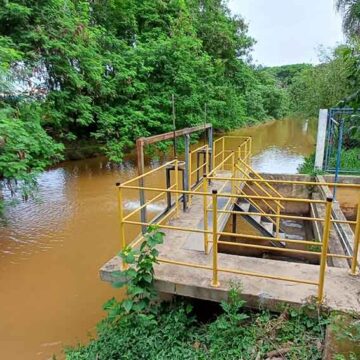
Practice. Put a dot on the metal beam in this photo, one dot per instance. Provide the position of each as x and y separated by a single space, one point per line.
170 135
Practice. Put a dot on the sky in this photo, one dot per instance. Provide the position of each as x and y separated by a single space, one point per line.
289 31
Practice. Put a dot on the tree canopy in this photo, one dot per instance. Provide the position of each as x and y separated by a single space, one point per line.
107 69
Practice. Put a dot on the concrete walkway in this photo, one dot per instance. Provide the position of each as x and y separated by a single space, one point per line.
342 291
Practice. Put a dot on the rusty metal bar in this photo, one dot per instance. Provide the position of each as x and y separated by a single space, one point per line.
169 135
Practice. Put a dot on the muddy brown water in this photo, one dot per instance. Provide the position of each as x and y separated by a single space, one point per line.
51 248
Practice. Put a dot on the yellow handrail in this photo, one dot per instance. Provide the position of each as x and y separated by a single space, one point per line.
324 249
292 182
256 193
149 172
260 177
215 281
256 206
212 233
205 206
354 262
285 199
221 164
262 189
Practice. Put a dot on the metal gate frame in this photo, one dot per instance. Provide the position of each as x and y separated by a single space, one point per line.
336 124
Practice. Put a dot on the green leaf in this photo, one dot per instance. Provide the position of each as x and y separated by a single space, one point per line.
148 278
131 273
127 305
130 258
135 290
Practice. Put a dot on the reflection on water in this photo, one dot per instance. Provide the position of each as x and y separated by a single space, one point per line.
277 160
51 248
280 146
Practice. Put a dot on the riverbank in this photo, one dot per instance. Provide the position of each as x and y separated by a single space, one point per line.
90 148
180 331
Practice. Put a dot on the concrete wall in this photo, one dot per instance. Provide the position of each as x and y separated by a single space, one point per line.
346 205
292 191
347 198
321 138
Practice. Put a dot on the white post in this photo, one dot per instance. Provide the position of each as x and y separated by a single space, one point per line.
321 137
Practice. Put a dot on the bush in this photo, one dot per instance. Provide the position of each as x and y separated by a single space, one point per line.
174 332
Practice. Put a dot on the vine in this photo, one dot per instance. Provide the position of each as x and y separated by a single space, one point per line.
138 277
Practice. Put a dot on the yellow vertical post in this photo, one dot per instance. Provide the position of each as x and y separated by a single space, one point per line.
277 219
325 243
213 153
176 187
238 162
246 151
121 225
232 172
207 158
354 261
189 178
206 239
215 280
223 152
250 151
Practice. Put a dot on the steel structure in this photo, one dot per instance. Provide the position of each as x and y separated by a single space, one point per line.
338 123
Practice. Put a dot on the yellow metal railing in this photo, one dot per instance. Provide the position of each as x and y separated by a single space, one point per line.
209 201
221 147
243 167
200 167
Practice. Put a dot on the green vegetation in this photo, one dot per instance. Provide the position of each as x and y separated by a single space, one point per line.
336 80
350 160
140 328
107 70
139 280
334 83
173 331
104 72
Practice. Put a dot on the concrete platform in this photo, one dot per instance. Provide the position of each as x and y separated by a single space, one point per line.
342 291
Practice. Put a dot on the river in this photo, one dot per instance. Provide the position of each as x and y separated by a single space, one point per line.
51 248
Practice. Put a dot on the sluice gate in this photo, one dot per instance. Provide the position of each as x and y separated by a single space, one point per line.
209 202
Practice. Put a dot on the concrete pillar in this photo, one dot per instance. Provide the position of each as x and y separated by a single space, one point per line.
321 137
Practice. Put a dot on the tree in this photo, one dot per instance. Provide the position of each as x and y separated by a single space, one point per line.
351 16
321 86
107 69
